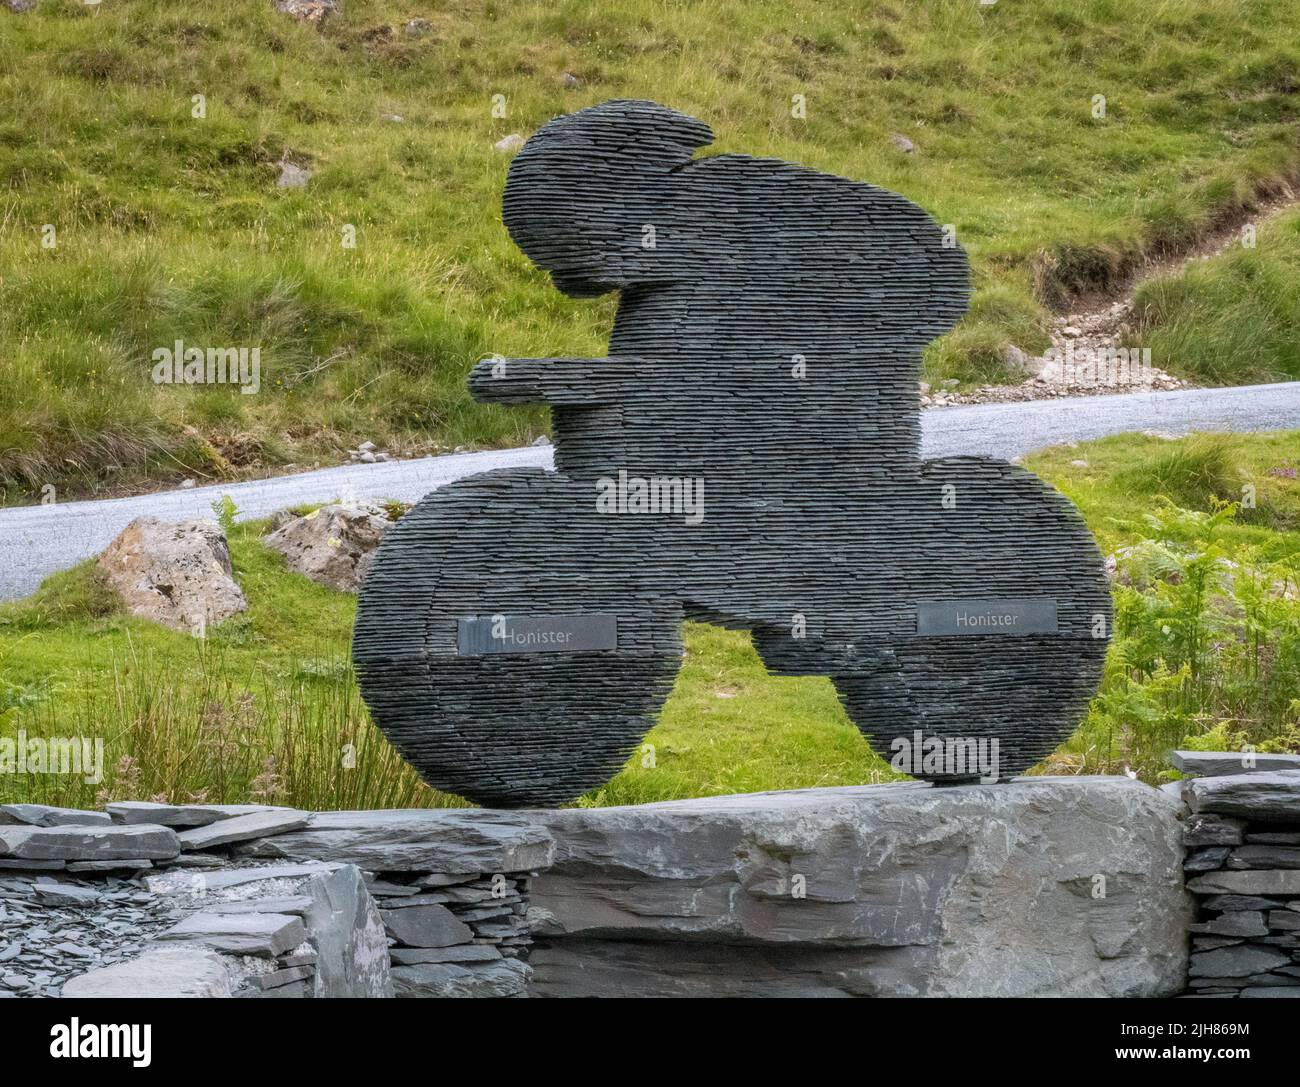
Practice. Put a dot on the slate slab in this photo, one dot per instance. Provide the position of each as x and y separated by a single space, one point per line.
696 897
207 880
1265 856
298 904
1272 796
289 974
70 894
1223 763
1221 903
262 934
1206 829
411 956
243 828
509 977
426 926
1234 962
158 972
42 815
134 864
1244 923
88 843
180 815
447 841
1207 859
1258 882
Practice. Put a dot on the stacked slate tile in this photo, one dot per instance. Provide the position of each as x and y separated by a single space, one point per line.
765 355
452 887
1242 837
456 935
259 901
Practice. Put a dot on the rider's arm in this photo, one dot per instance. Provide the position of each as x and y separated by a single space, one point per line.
564 381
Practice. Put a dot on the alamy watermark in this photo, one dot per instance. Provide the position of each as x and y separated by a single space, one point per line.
75 756
181 365
952 756
680 495
1102 366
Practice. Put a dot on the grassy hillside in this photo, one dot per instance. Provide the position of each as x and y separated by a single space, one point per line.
1206 652
168 226
1232 319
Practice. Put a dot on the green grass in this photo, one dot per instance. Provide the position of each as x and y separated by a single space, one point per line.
171 227
1206 652
1232 319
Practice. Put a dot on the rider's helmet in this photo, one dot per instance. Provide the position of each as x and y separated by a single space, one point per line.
583 189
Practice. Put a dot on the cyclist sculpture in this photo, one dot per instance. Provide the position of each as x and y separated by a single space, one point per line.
748 455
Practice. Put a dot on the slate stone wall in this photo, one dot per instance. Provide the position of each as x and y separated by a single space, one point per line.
1243 865
212 900
1041 886
1038 887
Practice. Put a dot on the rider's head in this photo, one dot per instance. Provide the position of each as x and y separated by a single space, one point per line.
587 225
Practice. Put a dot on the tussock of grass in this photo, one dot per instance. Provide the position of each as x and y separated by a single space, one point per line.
1233 319
172 227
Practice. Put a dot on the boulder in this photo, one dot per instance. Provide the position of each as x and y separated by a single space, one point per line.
175 574
308 11
1041 886
332 545
292 176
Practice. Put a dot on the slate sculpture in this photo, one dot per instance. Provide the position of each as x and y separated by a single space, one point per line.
749 456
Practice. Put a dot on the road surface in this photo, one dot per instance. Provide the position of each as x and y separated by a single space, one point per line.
35 541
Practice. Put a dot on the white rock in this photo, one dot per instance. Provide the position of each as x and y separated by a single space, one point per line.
509 144
293 177
175 574
330 544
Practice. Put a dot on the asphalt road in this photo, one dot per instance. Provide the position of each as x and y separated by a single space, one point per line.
35 541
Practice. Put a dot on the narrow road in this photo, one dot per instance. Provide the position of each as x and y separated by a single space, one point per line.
35 541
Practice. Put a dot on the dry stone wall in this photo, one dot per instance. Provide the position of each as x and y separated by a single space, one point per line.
1243 865
211 900
1040 886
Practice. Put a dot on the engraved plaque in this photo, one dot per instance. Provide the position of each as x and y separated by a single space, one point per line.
535 634
1007 616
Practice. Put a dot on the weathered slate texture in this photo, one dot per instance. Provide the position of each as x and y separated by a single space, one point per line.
1224 763
910 890
430 840
765 355
1269 796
